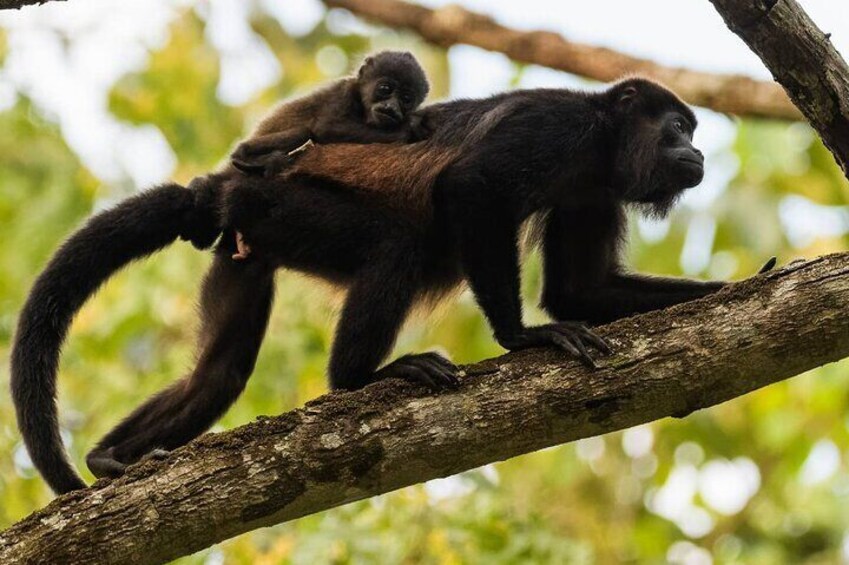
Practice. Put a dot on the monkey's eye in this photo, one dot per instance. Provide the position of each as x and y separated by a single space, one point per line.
384 89
679 126
407 98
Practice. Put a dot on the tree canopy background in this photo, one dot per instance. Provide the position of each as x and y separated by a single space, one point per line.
759 480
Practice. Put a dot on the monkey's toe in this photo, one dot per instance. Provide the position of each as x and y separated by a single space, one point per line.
157 454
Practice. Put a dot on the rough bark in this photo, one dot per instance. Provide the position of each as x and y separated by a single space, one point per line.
802 59
349 446
734 94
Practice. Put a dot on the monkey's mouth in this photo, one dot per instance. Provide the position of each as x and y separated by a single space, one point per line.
692 161
691 174
386 117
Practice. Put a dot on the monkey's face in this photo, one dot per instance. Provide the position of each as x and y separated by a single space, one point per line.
392 85
661 161
388 102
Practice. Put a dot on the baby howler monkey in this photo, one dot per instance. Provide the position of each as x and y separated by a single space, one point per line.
373 106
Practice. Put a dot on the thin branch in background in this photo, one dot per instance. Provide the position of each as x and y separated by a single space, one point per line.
452 25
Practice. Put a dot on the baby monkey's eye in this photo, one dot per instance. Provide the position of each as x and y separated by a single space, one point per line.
384 89
407 98
679 126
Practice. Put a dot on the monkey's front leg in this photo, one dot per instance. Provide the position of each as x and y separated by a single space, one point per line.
624 295
488 245
235 305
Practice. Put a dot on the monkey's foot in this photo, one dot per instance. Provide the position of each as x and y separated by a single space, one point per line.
429 369
243 250
572 337
102 462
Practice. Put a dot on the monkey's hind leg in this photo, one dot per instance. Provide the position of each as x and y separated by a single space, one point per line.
235 305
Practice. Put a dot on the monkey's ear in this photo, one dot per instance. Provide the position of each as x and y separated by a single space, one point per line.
627 96
368 62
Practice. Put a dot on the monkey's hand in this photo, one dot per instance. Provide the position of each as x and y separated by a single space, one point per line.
251 160
279 161
268 165
429 369
420 128
252 166
573 337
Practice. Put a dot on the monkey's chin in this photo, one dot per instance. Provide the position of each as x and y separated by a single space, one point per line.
659 206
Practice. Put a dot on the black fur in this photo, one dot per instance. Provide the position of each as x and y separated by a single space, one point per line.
574 159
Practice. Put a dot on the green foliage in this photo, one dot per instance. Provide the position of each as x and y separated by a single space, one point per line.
599 501
176 92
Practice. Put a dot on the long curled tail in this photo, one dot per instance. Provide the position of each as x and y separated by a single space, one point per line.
110 240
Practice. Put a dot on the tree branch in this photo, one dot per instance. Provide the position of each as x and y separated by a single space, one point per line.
802 59
350 446
18 4
734 94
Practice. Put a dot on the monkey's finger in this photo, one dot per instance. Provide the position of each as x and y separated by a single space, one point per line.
597 341
247 167
442 361
437 370
768 266
448 380
585 355
576 348
565 343
415 375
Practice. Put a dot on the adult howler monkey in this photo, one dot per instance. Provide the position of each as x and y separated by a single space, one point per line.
573 159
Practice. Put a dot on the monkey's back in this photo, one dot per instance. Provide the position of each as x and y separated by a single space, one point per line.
401 175
302 111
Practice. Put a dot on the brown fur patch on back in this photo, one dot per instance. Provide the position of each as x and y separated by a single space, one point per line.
399 175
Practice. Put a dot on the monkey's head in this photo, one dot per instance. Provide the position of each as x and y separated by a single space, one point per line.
655 158
392 85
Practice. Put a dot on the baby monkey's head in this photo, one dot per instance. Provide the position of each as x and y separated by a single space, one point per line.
392 85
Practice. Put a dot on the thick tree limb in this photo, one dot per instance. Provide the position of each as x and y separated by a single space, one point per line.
349 446
734 94
802 59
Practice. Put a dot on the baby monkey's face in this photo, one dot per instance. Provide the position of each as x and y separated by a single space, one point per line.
392 85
